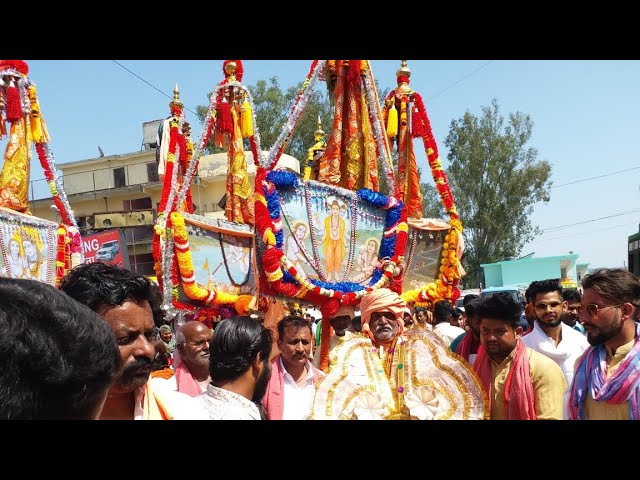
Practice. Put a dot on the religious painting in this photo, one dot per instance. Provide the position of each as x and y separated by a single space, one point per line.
424 250
331 236
28 251
222 254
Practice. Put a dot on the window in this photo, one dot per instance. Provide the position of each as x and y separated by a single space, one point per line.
152 172
137 204
119 180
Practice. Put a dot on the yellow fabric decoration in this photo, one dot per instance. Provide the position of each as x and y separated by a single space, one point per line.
392 122
39 131
403 112
246 120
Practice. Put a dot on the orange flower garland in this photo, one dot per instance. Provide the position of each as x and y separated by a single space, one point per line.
193 289
446 286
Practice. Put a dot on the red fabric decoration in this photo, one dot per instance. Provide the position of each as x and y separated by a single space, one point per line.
328 310
14 107
223 118
354 70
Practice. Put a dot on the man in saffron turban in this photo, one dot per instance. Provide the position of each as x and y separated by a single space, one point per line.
385 373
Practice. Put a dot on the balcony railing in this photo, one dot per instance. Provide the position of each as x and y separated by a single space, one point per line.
100 179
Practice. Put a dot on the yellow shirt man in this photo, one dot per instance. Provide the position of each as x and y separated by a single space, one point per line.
548 381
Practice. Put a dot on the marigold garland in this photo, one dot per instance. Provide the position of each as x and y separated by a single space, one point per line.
191 288
446 286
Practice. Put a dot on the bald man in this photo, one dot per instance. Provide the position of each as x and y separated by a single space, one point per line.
192 370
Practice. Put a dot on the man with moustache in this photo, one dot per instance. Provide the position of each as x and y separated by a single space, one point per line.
240 370
383 373
291 389
607 376
550 336
126 302
521 383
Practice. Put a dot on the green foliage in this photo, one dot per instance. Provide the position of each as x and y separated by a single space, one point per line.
496 180
431 203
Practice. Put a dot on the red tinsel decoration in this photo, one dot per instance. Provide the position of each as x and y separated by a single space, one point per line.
13 107
19 65
157 265
48 174
168 176
254 150
417 126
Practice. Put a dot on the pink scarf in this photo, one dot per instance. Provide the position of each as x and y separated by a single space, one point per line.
273 400
185 381
519 400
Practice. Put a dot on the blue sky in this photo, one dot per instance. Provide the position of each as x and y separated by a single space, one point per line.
585 116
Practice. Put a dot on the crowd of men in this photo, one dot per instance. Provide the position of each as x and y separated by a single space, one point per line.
92 349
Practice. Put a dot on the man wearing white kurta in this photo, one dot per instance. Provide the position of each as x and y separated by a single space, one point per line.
550 336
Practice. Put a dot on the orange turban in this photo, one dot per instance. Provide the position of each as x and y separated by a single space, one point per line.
381 300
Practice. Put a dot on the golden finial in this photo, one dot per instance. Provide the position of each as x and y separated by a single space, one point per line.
403 70
230 68
176 97
319 131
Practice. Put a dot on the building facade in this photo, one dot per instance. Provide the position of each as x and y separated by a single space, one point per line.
123 191
528 269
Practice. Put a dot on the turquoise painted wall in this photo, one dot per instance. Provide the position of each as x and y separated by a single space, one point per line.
526 272
493 276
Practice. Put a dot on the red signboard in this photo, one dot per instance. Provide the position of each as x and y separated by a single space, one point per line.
107 246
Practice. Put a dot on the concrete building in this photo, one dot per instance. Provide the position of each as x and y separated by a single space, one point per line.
527 269
123 191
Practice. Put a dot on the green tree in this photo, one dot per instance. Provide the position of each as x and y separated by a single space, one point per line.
272 105
496 180
431 203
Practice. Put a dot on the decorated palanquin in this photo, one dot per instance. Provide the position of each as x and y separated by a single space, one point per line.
31 247
433 269
205 266
333 236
